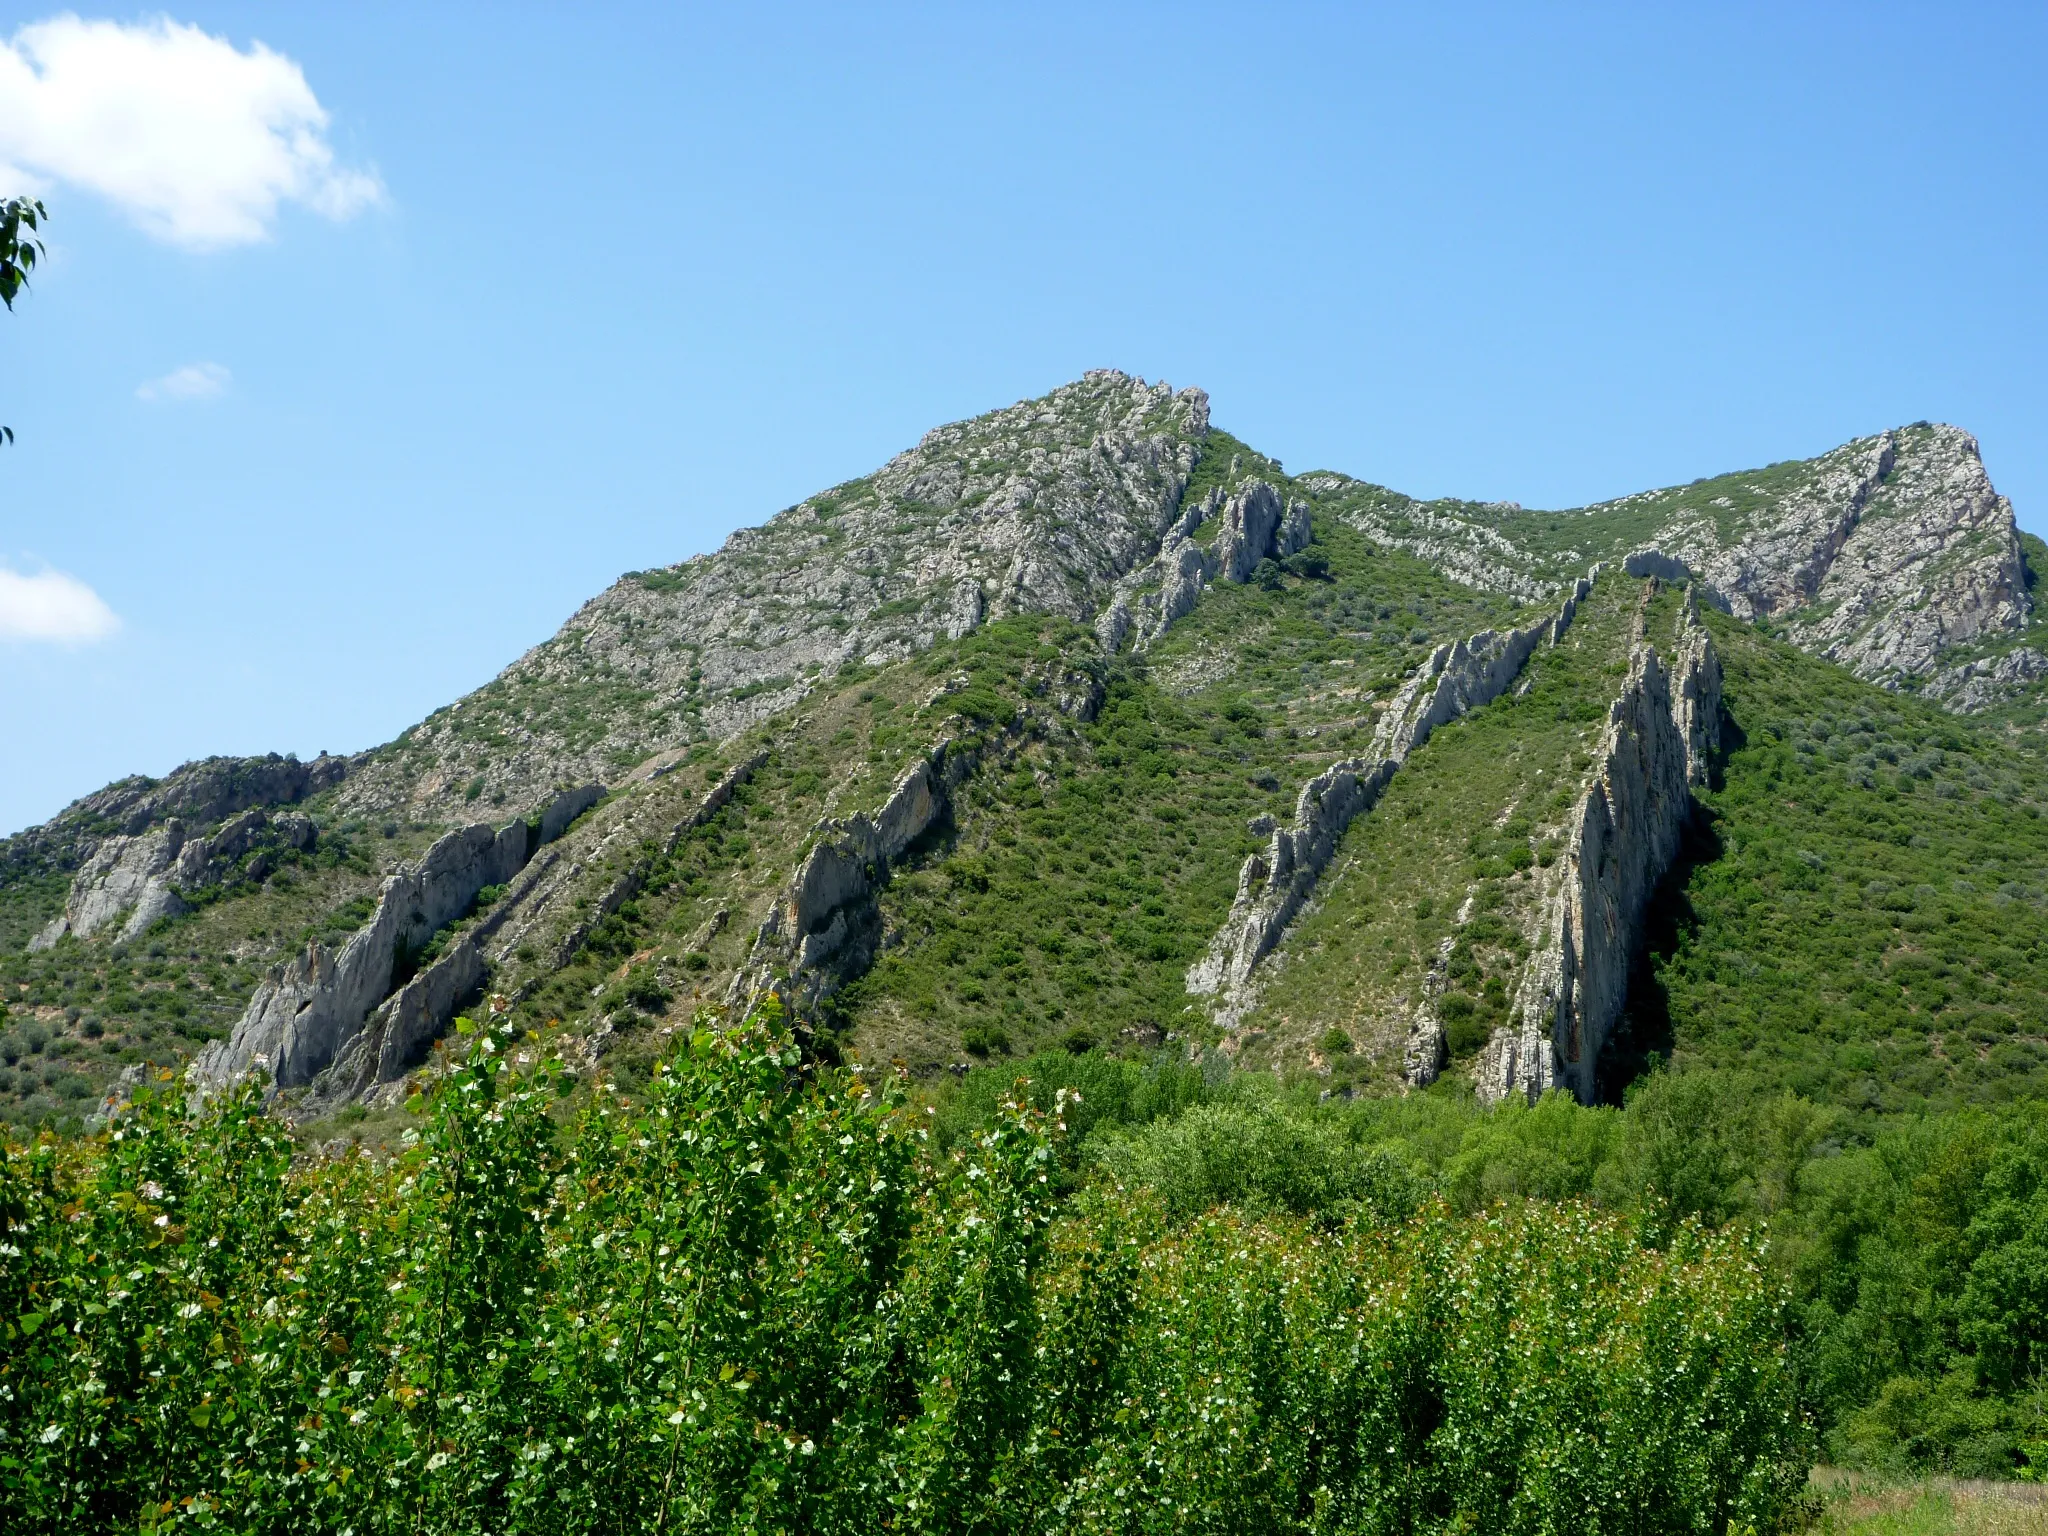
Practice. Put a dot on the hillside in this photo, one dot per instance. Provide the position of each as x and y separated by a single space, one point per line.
1360 861
1000 746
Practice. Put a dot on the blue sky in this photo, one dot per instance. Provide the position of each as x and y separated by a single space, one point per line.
554 293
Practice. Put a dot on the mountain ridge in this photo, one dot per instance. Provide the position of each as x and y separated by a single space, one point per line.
969 610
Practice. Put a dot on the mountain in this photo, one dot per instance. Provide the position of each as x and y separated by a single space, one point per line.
1084 723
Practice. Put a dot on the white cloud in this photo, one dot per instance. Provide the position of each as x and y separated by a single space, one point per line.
196 140
52 606
194 381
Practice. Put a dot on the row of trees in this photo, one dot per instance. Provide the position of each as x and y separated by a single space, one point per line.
771 1298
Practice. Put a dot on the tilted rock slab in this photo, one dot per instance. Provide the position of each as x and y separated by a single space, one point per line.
1625 831
147 876
1274 886
826 924
553 875
309 1008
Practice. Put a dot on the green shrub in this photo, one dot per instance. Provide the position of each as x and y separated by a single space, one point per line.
761 1299
985 1040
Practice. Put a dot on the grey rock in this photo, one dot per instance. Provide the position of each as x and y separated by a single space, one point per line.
1251 519
137 877
309 1008
307 1013
1625 830
1986 681
566 807
1254 526
825 926
525 908
1294 532
1273 886
1884 555
1040 508
126 876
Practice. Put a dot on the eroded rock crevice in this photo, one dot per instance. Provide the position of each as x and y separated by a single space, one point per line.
1254 523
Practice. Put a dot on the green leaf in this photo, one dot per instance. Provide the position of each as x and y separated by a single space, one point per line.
29 1322
465 1026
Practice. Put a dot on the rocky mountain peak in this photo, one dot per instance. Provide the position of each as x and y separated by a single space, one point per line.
1039 507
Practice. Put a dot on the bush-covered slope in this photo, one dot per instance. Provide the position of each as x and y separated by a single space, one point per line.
1837 1027
1863 915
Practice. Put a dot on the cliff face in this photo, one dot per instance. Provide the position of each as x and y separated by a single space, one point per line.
1624 833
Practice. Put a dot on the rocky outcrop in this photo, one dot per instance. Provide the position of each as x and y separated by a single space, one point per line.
137 879
1426 1049
1257 526
1459 678
308 1010
1254 524
1041 507
1624 832
825 925
1987 681
1273 886
1886 554
1696 692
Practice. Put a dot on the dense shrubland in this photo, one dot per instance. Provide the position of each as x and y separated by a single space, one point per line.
767 1297
1916 1264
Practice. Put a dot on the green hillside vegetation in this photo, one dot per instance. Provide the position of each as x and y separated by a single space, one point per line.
762 1299
1476 809
1861 920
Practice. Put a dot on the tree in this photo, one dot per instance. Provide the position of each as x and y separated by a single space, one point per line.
18 253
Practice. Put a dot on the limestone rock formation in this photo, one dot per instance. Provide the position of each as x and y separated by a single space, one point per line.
1884 554
1625 831
1988 680
824 926
1253 522
134 845
1039 508
310 1008
1272 887
145 877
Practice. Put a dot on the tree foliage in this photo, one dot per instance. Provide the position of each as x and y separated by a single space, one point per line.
18 253
770 1298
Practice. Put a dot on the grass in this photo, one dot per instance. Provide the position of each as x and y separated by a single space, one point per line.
1853 1506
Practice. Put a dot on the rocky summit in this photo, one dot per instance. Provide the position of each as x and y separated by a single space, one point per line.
1085 724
